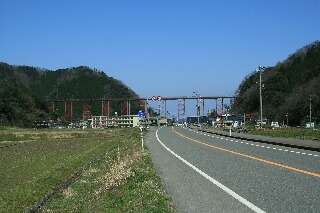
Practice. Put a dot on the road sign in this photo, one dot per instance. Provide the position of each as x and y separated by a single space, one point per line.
156 98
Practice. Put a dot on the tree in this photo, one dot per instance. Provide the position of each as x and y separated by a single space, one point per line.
287 87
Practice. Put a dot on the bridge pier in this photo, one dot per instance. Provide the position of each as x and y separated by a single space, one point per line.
86 110
181 109
68 110
105 108
51 107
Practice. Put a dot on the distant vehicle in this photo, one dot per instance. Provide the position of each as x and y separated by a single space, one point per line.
264 122
275 124
162 121
153 121
41 124
170 121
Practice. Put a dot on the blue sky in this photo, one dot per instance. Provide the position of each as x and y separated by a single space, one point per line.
167 48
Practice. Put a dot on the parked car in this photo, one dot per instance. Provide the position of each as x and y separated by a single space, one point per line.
264 122
275 124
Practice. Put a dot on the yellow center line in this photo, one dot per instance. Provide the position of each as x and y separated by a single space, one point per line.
249 156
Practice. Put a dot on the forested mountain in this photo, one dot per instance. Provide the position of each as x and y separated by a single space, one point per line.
24 90
18 107
77 82
288 88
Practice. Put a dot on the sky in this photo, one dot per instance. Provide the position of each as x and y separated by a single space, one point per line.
167 48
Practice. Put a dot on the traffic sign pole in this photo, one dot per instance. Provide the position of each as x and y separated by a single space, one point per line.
141 128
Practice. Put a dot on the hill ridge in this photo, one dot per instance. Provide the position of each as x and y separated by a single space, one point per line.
39 85
286 88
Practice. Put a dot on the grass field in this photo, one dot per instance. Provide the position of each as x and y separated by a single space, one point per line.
35 162
295 133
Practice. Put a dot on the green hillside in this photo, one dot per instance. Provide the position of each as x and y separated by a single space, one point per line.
287 88
38 85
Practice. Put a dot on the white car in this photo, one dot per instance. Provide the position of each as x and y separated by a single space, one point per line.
275 124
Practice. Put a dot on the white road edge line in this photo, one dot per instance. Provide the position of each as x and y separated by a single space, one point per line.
268 147
215 182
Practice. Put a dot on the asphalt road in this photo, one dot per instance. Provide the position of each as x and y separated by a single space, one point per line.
210 173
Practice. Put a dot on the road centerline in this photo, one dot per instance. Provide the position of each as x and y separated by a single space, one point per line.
249 156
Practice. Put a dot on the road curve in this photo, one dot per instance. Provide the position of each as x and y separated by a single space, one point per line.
209 173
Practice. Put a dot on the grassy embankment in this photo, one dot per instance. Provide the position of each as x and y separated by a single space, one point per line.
35 162
295 133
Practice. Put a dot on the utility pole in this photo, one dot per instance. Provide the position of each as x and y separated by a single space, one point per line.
198 106
310 111
260 70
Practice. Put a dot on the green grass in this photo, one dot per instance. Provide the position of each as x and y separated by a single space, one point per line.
295 133
42 159
122 182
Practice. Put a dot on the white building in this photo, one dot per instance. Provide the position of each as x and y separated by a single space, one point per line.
115 121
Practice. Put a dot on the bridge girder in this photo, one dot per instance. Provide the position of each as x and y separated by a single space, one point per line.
124 105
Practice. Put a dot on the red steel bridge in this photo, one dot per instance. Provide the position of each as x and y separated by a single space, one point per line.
125 105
